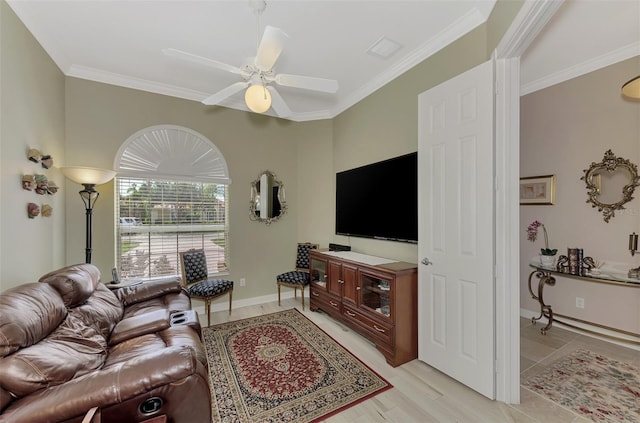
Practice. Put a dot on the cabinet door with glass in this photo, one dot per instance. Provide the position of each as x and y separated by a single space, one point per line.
376 293
318 273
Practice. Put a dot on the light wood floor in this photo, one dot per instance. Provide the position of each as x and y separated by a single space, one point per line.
423 394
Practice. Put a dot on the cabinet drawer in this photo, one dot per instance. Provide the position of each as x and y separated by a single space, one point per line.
320 299
382 331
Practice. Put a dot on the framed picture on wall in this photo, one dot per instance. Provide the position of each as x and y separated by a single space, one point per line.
538 190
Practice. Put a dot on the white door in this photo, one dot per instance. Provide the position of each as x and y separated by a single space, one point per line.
456 228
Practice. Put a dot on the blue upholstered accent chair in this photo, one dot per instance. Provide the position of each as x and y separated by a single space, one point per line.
298 278
195 278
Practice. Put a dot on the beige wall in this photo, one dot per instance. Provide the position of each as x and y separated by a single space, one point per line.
563 129
32 116
101 117
98 118
385 124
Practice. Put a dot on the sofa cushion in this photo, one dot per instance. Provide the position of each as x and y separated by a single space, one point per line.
170 302
72 350
28 313
5 398
102 310
74 283
148 290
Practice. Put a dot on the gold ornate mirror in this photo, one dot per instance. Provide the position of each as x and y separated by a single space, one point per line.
610 184
268 203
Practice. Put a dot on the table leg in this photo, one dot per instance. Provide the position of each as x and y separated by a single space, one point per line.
545 309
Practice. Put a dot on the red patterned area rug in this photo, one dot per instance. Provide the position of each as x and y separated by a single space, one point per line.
598 388
281 367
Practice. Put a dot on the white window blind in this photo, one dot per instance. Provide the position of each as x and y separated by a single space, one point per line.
157 219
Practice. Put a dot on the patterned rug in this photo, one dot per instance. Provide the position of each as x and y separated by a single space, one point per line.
593 386
281 367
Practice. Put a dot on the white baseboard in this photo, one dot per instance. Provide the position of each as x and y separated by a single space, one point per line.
595 330
222 304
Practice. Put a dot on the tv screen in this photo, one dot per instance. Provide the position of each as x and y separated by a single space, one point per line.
379 200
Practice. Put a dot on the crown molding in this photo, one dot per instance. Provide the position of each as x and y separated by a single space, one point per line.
615 56
528 23
97 75
457 29
111 78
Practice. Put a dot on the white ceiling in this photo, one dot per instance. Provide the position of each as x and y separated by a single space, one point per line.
121 42
583 36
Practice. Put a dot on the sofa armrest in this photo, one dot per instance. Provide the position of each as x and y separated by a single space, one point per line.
143 324
147 290
107 387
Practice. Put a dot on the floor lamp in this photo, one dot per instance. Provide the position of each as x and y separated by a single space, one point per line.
88 177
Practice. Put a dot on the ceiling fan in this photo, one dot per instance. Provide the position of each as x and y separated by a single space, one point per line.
258 77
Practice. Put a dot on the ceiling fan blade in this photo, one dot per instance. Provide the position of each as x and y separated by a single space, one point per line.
225 93
278 104
270 47
201 60
307 82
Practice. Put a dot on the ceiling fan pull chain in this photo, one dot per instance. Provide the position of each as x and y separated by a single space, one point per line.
264 86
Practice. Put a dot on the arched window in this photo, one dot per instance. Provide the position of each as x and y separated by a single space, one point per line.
172 195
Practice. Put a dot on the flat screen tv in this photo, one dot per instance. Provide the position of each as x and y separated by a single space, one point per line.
379 200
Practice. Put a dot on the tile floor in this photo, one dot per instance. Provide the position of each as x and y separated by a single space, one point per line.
423 394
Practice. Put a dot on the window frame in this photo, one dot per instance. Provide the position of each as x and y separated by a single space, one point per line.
171 154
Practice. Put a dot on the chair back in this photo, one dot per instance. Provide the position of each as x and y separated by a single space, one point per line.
194 266
302 258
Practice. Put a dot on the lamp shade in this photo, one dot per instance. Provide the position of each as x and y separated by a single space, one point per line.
88 175
258 98
631 88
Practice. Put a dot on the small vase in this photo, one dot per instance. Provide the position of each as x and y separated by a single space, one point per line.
548 261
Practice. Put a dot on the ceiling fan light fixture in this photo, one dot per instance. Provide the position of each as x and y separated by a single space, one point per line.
257 98
631 88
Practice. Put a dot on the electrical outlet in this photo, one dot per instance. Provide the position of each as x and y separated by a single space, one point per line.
243 281
579 302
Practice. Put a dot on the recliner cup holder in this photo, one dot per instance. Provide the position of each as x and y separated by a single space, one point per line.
184 318
151 405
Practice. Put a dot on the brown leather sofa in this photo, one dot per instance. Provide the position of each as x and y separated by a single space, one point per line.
69 344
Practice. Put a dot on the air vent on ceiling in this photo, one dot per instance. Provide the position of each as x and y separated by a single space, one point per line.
384 48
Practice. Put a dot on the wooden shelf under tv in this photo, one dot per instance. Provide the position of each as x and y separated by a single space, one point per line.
350 291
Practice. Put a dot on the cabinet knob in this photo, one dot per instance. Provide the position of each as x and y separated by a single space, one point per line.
350 314
378 329
358 288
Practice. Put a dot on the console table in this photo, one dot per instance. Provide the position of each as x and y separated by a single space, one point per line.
546 275
376 297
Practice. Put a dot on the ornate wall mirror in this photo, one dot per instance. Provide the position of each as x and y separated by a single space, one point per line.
610 184
267 198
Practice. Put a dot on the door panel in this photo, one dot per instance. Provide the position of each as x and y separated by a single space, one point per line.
456 226
350 283
334 285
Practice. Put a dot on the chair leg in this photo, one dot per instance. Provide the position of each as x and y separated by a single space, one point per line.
230 299
278 294
207 309
295 293
302 289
